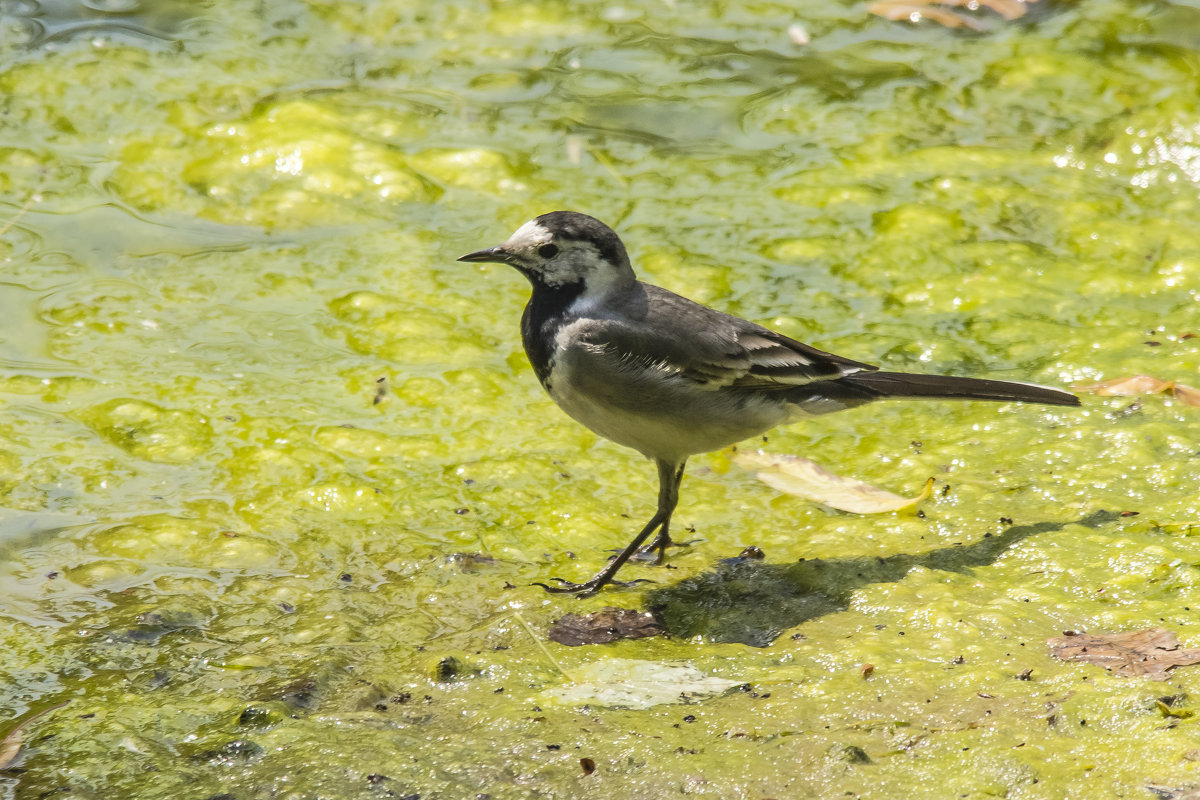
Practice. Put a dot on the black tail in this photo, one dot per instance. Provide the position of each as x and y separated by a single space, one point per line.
902 384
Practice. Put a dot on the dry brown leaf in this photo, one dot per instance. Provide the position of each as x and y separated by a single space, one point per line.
1126 387
939 11
1009 9
606 625
916 11
1187 394
1149 653
1143 384
808 479
10 747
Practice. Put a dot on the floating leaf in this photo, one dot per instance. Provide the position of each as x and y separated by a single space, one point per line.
630 683
606 625
939 11
896 10
10 747
1149 653
1126 387
804 478
1187 394
1009 9
1143 384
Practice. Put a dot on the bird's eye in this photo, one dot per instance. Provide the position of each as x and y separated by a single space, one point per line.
548 250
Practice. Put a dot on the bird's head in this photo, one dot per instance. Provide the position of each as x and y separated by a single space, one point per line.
564 248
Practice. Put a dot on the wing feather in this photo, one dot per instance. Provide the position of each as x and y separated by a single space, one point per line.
718 351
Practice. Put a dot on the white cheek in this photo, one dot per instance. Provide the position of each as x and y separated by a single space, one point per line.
555 275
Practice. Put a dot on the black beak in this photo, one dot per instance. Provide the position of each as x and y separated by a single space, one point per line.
497 255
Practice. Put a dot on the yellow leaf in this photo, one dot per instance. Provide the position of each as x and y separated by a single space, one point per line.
1127 387
939 11
1187 394
1143 384
804 478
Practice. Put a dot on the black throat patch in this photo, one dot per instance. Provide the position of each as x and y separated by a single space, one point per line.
545 315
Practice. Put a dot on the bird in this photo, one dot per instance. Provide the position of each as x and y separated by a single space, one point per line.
671 378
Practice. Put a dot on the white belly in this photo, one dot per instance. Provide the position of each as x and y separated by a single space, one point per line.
660 415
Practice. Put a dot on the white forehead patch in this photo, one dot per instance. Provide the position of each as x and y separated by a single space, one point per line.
575 261
529 235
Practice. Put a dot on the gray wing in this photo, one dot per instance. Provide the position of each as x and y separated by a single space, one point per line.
666 333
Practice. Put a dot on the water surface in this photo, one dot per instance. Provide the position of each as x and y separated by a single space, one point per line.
276 475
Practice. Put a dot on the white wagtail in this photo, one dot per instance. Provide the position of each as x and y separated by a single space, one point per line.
671 378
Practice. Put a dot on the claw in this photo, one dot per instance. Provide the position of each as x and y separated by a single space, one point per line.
588 588
578 589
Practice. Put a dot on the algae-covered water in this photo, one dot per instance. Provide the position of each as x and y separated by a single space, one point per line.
276 476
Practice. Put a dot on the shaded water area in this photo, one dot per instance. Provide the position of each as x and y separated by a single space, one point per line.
276 476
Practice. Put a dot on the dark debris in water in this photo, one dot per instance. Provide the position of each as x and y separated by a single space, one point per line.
851 754
1174 792
239 751
448 669
1146 653
380 783
606 625
152 626
259 716
302 693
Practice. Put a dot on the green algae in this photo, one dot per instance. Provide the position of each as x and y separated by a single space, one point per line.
276 476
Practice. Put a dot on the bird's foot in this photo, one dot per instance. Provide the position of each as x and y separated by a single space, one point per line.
588 588
656 551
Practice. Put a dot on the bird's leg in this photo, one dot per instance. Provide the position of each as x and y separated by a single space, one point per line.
670 474
656 551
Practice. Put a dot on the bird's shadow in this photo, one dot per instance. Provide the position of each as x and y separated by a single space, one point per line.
749 601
